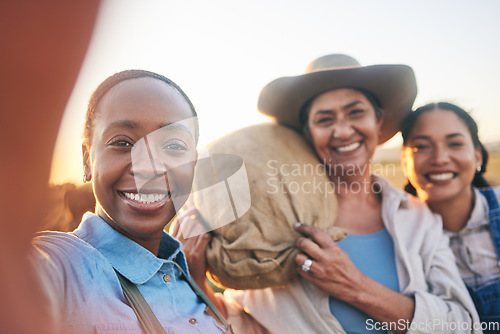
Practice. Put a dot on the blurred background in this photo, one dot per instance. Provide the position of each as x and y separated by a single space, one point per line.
223 52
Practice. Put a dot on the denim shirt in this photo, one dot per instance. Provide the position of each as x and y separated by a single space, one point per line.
77 272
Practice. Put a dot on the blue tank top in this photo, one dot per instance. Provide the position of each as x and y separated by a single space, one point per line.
373 255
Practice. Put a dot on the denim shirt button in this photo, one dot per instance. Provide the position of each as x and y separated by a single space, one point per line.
166 278
193 321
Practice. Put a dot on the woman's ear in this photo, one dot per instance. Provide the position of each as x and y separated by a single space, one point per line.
380 121
479 157
307 134
87 168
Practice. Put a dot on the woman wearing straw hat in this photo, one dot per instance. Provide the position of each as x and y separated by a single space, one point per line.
394 271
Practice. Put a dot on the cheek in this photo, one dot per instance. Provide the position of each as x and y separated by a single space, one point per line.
469 165
182 177
107 168
320 138
372 127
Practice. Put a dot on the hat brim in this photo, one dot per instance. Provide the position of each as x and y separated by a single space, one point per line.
394 86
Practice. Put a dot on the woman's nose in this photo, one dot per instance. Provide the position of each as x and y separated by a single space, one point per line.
148 168
146 161
440 155
342 129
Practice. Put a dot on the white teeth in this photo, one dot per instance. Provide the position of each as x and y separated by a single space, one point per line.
348 148
441 177
145 198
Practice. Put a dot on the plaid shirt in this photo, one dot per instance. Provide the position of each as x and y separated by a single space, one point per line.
475 254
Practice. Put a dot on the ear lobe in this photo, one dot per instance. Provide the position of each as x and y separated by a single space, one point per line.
479 156
87 168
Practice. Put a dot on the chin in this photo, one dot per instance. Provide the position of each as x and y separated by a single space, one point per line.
354 167
145 225
439 195
146 231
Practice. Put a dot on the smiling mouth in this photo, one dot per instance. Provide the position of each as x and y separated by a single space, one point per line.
145 198
441 176
347 148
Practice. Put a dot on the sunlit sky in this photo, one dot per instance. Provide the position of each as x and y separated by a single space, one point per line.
223 52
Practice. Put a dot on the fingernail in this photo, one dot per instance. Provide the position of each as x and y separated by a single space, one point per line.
297 225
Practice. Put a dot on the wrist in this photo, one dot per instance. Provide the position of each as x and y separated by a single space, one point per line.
359 291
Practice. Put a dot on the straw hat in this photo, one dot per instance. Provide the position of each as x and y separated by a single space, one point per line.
393 85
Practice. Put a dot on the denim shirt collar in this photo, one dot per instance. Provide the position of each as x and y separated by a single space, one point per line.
129 258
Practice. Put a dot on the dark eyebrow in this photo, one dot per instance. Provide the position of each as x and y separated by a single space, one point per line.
123 124
352 104
175 126
449 136
128 124
425 137
453 135
323 112
347 106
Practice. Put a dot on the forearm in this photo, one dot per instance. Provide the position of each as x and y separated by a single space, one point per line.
382 303
46 42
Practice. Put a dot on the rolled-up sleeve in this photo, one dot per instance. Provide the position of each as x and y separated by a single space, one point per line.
445 307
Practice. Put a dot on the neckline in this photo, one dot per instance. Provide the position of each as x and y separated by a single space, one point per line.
368 235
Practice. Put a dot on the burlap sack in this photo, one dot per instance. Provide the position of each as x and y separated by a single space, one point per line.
286 183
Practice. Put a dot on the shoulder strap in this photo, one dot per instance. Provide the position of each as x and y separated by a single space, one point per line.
146 317
493 206
494 216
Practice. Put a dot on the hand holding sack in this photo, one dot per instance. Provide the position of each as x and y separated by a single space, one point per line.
284 183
